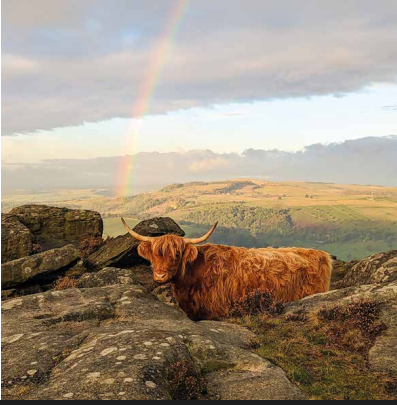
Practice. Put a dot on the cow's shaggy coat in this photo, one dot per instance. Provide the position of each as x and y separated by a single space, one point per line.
208 279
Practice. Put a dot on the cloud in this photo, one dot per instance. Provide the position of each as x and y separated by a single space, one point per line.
232 114
363 161
207 165
15 65
390 107
83 61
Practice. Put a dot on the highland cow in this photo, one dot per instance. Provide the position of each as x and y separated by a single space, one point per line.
208 279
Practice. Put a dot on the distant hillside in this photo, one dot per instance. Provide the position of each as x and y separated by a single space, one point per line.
350 221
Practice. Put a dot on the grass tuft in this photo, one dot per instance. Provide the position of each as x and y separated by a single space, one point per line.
185 383
90 245
326 354
256 302
65 283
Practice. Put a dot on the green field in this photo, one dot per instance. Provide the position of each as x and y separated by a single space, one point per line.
113 227
349 221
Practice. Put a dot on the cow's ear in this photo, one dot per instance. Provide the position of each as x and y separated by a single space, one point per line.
190 254
145 250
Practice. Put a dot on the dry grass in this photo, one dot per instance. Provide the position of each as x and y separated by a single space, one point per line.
65 283
90 245
36 248
326 354
362 315
256 302
185 383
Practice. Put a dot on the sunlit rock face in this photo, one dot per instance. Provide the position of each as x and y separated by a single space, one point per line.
112 339
16 239
380 268
53 226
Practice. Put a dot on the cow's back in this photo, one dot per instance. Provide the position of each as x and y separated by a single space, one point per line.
292 273
289 273
222 275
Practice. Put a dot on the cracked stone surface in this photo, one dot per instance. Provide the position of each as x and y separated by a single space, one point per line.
51 225
19 271
16 239
380 268
112 339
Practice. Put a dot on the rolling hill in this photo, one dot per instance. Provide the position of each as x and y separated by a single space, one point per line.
349 221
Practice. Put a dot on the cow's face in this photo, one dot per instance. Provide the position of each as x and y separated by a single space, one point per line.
168 255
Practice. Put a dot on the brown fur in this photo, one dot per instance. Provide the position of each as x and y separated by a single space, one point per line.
208 279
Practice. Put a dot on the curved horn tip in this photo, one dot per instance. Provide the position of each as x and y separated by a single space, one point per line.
214 226
204 237
125 224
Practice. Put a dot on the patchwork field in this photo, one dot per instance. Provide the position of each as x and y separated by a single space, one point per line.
349 221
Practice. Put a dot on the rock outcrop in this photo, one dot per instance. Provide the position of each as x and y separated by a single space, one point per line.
53 231
114 340
20 271
158 227
55 227
380 268
122 251
340 269
16 239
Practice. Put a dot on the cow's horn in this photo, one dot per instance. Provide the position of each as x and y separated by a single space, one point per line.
136 235
194 241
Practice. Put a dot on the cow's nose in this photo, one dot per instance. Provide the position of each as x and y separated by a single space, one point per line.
160 276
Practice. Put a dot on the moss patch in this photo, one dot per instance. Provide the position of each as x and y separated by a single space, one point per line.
326 354
216 365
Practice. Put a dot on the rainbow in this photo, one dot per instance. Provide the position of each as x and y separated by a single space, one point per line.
146 91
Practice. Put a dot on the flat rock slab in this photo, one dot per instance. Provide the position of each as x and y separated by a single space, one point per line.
107 277
254 385
120 251
19 271
16 239
115 340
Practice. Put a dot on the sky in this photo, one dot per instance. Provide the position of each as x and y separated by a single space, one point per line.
280 124
94 78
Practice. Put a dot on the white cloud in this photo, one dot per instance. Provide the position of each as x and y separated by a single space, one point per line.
15 65
208 165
